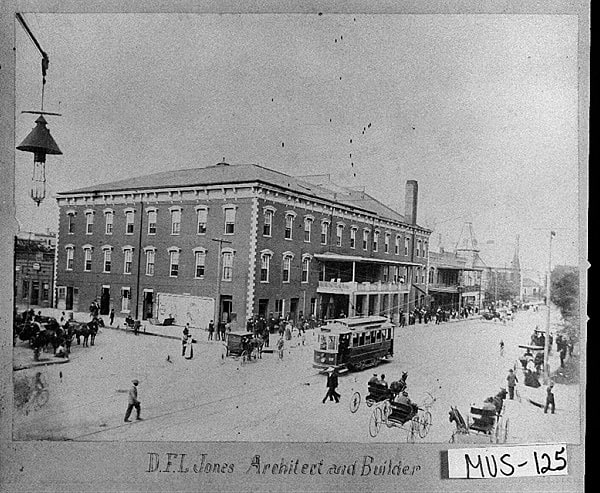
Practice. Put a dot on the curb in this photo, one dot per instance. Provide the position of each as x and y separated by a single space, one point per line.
35 364
154 334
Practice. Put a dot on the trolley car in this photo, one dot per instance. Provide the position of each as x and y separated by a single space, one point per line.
354 343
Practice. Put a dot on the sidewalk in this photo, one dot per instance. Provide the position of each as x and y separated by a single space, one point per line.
23 358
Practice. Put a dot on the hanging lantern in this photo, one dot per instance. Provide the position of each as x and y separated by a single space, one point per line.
39 142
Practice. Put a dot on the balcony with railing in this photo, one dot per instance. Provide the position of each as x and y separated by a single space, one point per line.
348 287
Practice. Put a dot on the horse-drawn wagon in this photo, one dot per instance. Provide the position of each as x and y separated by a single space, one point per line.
244 345
483 424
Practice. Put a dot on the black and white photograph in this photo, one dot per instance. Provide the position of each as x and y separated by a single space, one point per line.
297 228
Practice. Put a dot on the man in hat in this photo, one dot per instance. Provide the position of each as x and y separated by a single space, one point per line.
332 383
549 398
133 402
512 382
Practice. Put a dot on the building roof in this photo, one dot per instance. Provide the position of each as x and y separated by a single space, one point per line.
530 283
224 173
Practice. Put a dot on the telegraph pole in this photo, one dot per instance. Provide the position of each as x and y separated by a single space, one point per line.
547 338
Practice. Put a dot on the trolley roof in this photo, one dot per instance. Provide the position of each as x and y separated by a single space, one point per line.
341 325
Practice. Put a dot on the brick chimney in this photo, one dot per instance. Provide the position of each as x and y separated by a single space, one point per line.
410 201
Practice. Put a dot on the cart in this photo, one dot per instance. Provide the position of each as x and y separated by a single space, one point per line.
243 345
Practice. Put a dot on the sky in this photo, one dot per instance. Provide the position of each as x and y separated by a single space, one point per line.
481 110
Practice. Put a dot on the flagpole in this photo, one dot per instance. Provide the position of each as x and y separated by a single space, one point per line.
547 338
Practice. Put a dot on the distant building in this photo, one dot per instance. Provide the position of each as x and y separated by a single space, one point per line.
232 242
531 290
34 269
453 283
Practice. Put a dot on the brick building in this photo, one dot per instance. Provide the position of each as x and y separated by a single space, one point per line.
34 269
233 241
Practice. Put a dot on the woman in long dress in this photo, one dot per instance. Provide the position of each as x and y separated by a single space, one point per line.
189 349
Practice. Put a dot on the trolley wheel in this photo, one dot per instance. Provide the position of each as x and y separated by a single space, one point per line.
375 422
424 424
244 357
354 402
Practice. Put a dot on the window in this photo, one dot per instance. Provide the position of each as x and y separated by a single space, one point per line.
150 258
376 241
324 232
175 221
200 257
107 259
287 267
289 225
227 260
87 258
129 217
70 222
397 246
265 265
109 217
365 241
125 299
322 273
386 273
418 252
202 219
386 243
25 292
45 291
89 222
339 234
308 221
353 238
425 249
268 222
127 259
305 268
152 216
174 262
406 245
396 273
70 251
229 220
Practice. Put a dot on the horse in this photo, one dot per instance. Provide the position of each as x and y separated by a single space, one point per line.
498 400
93 328
454 416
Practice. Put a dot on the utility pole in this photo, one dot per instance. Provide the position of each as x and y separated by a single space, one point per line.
217 308
547 338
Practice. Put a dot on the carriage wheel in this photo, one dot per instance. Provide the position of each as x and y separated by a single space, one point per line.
412 431
244 357
386 411
254 354
375 422
424 424
355 402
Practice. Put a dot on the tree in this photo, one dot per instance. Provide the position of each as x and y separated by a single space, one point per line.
564 290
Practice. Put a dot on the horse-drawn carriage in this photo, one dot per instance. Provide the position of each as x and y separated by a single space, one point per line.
394 409
245 345
485 423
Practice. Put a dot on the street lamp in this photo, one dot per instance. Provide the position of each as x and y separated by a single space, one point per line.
220 241
547 338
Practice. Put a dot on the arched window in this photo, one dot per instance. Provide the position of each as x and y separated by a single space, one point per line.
227 263
200 262
174 261
127 259
265 265
107 263
150 252
287 267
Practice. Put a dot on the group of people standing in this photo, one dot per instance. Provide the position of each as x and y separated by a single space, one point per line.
218 332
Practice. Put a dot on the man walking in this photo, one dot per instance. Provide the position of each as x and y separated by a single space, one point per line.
112 316
512 381
184 339
549 398
133 402
211 330
332 383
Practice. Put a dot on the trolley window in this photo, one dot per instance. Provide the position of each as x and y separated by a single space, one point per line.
378 336
373 336
367 338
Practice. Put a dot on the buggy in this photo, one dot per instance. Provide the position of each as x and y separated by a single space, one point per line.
244 345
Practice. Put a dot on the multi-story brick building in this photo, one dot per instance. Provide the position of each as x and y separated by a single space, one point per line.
34 269
233 241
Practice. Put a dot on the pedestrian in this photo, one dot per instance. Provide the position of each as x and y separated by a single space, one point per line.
280 347
136 327
382 381
549 398
563 355
62 319
184 339
223 328
133 402
211 330
512 381
112 316
189 349
332 383
501 347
